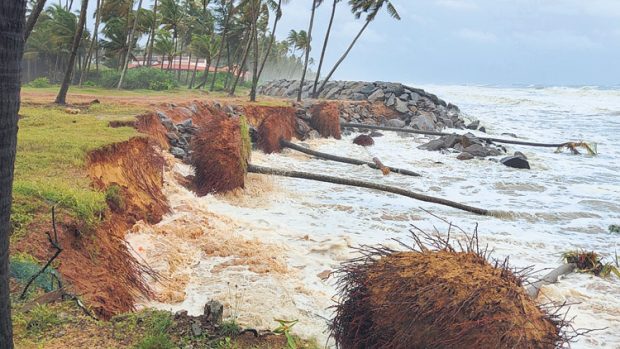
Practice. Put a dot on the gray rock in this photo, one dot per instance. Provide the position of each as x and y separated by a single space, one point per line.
378 95
434 145
520 155
395 88
313 134
423 122
465 156
368 89
196 329
186 123
332 92
302 128
469 139
515 162
474 125
477 150
482 129
451 140
404 97
358 96
401 106
180 314
395 123
172 137
214 311
177 152
391 100
375 133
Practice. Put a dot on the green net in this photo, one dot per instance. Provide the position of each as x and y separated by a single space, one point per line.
22 269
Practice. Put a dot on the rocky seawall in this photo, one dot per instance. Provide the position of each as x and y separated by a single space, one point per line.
405 106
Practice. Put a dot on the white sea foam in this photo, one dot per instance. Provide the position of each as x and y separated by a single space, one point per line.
565 202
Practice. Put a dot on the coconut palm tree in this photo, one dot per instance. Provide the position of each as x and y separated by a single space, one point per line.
329 29
62 94
129 45
12 25
155 23
36 10
164 46
278 15
93 42
315 4
227 8
360 7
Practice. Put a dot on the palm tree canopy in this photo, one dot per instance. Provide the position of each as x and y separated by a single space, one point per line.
371 8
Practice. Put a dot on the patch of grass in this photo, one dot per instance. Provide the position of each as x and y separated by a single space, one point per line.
229 328
114 198
51 155
37 321
160 341
23 212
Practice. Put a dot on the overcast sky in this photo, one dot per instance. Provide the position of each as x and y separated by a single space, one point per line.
499 42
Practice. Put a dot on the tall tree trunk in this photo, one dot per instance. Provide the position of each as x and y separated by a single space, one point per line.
255 49
12 25
34 16
150 49
228 76
62 94
189 63
93 42
129 44
180 62
343 57
191 83
219 54
307 58
243 60
329 29
273 38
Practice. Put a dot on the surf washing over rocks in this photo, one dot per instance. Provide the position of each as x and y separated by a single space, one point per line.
266 251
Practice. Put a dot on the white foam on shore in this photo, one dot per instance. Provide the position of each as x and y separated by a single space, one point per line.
565 202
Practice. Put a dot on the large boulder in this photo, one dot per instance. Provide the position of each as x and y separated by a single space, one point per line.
516 162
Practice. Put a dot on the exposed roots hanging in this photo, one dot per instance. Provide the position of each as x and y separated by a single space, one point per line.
364 140
221 151
435 296
326 119
273 129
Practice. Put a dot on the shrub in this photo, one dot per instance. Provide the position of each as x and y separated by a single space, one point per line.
159 341
139 78
41 82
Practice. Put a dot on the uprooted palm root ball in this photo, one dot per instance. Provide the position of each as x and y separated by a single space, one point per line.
436 299
364 140
273 129
326 119
220 153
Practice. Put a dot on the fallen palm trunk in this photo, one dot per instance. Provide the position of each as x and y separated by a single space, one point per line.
293 146
435 133
363 184
550 278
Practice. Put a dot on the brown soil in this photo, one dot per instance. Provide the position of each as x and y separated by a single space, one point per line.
97 263
275 128
217 157
256 114
439 299
326 119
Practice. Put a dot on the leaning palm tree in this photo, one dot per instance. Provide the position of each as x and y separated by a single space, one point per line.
329 29
12 24
315 4
129 46
155 24
278 15
227 7
359 7
36 10
62 94
93 42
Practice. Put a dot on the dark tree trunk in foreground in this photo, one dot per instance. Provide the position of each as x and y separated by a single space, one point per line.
307 58
12 25
62 94
272 39
329 29
34 16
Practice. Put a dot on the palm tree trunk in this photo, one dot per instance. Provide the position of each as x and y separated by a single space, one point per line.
188 64
150 53
12 26
256 58
129 44
180 62
191 84
93 42
227 79
273 38
307 59
219 54
318 154
243 60
368 185
62 94
329 29
343 57
34 16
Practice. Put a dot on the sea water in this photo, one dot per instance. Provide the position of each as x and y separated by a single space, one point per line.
266 252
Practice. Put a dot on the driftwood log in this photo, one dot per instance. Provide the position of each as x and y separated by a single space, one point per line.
369 185
551 278
435 133
318 154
